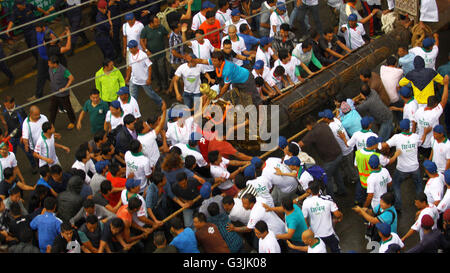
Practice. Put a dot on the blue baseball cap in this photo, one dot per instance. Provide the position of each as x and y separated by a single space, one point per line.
101 165
366 121
327 113
250 171
235 12
405 124
123 90
352 17
132 183
282 142
132 44
281 6
205 190
265 40
430 166
257 162
438 129
175 113
405 91
427 42
374 161
115 104
384 228
447 176
258 64
208 5
129 16
293 161
372 141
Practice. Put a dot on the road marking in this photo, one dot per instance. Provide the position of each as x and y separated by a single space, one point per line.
34 72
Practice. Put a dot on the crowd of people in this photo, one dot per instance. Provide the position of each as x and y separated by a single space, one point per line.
128 180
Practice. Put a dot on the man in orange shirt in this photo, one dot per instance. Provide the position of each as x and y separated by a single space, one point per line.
211 24
117 182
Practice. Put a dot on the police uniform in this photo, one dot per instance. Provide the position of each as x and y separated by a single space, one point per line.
102 37
22 17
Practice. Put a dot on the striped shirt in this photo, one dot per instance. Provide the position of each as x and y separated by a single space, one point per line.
174 40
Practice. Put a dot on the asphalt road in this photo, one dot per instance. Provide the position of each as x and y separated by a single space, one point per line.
87 61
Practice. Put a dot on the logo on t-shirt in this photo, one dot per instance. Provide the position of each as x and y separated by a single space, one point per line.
211 230
318 209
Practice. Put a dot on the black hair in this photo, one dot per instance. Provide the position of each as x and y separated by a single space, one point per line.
94 92
259 81
261 226
218 55
128 119
105 148
228 200
287 203
105 186
139 126
79 173
366 72
328 30
250 197
88 203
15 190
134 203
222 3
432 101
279 70
293 149
421 197
8 173
44 170
54 59
285 27
106 62
240 181
14 209
134 146
159 238
308 42
26 235
157 178
200 216
227 42
199 31
189 161
175 150
314 186
213 156
340 97
117 223
114 168
213 209
391 60
283 54
181 176
152 119
313 33
99 135
365 89
388 198
176 223
92 219
66 226
50 203
243 28
151 18
210 14
80 154
46 126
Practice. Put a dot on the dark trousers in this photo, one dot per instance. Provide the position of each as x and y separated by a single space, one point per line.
3 67
65 103
160 73
397 180
374 22
116 40
314 13
104 42
75 25
30 40
42 76
332 243
16 142
250 87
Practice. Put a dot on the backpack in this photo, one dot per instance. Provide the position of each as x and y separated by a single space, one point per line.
162 16
372 232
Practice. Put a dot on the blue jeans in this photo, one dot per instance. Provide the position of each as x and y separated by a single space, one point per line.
397 180
332 170
294 14
16 142
189 98
315 14
386 129
134 91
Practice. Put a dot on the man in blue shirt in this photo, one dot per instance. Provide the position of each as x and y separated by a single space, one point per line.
185 240
406 59
47 224
42 63
231 73
249 40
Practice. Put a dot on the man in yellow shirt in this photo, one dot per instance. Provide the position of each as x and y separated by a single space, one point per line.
108 80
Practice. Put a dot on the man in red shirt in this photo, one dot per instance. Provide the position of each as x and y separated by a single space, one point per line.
211 27
117 183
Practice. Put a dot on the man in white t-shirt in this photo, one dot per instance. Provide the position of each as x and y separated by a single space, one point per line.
235 20
265 52
260 70
290 65
390 75
31 131
279 174
137 163
45 146
237 44
359 138
434 188
84 162
318 211
131 31
132 190
201 47
279 16
190 72
429 51
429 117
223 14
218 168
377 183
268 243
429 11
180 130
200 17
387 237
408 160
139 73
313 244
440 149
445 202
261 184
353 32
8 160
410 104
128 104
425 209
189 149
235 210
